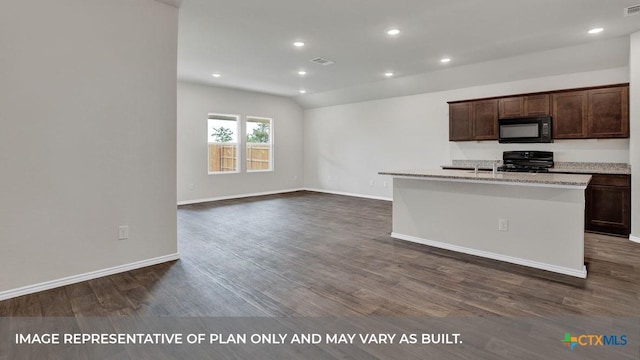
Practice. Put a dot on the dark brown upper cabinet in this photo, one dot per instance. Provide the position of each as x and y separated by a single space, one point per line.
511 107
473 120
593 113
524 106
485 114
569 115
608 115
597 112
460 125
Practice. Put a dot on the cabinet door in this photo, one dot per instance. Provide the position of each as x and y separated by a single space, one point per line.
511 107
569 114
609 112
537 105
608 204
485 120
460 124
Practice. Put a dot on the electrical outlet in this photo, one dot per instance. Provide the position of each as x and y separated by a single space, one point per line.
192 187
384 184
503 225
295 177
329 177
123 232
370 182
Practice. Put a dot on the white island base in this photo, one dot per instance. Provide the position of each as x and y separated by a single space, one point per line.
542 223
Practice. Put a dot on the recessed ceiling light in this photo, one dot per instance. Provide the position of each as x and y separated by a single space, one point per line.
445 60
298 44
393 32
216 75
303 91
302 73
388 74
595 30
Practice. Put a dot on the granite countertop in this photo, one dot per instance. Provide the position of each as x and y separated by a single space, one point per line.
471 164
559 166
507 178
592 168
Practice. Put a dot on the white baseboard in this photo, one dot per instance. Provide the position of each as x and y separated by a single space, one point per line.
239 196
634 238
510 259
350 194
4 295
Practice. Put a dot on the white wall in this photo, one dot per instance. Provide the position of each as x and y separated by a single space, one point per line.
195 102
634 153
87 110
346 145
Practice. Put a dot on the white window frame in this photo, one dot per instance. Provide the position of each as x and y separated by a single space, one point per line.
270 143
212 116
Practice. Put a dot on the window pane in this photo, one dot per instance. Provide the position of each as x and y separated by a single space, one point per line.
259 144
222 136
223 158
258 157
222 130
258 130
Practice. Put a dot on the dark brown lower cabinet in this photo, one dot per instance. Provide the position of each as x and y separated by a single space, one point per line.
608 204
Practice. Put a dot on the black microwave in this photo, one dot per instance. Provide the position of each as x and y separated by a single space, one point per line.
533 129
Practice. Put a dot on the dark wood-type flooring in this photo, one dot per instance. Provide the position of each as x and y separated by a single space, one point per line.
312 254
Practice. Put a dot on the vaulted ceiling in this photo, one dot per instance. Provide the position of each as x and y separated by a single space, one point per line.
249 43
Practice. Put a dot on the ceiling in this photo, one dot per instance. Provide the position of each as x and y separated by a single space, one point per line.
250 42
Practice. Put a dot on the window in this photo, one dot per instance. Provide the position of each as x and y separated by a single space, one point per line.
223 143
259 144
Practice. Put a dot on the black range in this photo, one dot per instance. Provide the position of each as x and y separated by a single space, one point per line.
526 161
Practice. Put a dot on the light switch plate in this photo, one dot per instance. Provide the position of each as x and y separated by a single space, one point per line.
123 232
503 224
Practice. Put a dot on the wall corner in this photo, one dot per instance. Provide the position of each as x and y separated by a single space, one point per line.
634 133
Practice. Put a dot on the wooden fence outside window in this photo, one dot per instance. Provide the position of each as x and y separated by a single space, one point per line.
224 157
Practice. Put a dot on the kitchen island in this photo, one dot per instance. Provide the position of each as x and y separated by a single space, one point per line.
530 219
